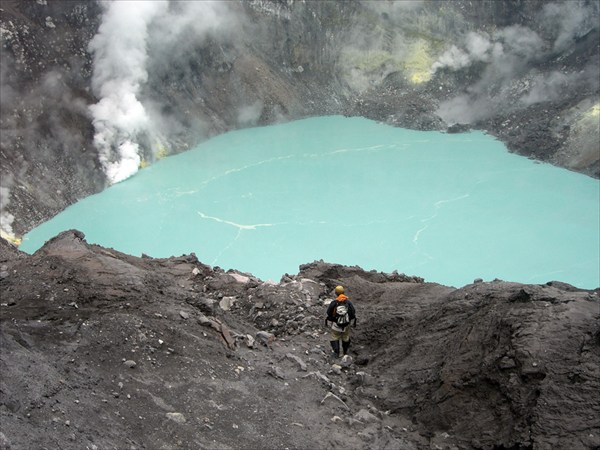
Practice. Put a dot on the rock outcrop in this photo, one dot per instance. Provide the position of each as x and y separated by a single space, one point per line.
100 349
104 350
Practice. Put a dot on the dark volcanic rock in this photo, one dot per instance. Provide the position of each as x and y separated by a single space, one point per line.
105 350
495 368
100 348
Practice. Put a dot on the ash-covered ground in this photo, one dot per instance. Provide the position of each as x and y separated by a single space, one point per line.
104 350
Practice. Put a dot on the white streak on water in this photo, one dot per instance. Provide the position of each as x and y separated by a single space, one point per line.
180 193
227 247
359 149
416 236
281 158
233 224
439 203
437 206
249 166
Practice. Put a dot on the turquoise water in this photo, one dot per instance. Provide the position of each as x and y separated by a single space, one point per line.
449 208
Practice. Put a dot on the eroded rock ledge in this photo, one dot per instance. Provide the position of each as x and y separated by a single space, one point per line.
105 350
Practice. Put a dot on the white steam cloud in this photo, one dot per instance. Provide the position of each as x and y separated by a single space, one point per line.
120 56
506 56
478 47
250 114
548 87
569 20
509 58
133 36
6 218
185 21
506 44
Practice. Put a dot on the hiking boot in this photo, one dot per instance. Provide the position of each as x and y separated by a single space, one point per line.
345 347
335 348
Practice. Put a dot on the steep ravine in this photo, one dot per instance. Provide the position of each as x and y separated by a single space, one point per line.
525 71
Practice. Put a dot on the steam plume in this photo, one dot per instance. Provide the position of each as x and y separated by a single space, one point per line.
134 36
6 218
508 43
569 21
510 57
506 55
120 57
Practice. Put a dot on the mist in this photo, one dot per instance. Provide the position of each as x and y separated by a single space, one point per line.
510 57
507 55
566 22
6 218
42 126
120 55
131 127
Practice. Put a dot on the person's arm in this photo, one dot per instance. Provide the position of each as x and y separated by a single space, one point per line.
352 313
330 309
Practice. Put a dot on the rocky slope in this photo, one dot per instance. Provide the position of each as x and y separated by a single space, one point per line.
525 71
105 350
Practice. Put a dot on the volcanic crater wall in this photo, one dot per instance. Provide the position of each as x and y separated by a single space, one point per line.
106 350
92 92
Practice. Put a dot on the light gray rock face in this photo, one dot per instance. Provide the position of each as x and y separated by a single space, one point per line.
176 417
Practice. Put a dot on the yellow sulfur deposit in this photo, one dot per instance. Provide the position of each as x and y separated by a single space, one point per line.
420 77
161 150
418 63
595 110
160 153
11 238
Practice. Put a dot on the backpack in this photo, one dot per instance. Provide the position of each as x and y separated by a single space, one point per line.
342 318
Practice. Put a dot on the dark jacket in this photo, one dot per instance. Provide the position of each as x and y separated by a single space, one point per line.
332 307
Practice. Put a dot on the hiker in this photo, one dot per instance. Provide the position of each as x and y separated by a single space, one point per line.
340 313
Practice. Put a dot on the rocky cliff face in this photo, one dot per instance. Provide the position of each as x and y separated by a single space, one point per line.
106 350
76 107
